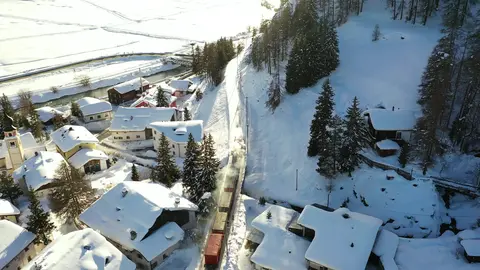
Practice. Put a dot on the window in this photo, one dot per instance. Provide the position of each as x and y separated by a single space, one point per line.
154 265
12 144
29 258
99 116
114 137
91 117
120 138
139 256
165 256
154 132
398 136
173 146
26 249
138 136
10 134
128 137
173 153
106 115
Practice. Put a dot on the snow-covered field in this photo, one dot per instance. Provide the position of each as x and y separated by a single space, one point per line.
41 33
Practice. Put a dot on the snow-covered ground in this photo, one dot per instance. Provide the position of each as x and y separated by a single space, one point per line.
41 33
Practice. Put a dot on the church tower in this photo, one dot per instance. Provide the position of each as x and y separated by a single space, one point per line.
13 142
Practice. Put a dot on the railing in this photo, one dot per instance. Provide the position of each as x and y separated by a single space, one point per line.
372 163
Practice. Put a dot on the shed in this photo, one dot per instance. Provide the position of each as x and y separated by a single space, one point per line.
220 222
213 250
472 250
386 148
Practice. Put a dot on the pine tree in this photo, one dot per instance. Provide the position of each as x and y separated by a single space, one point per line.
191 165
404 155
166 170
36 125
209 166
8 189
58 121
6 108
197 65
322 119
376 33
186 115
356 137
72 193
294 71
75 109
135 175
329 160
274 94
39 221
161 98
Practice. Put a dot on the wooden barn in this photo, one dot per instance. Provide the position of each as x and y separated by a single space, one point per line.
396 125
128 91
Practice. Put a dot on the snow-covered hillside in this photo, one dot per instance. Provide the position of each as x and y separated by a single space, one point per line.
42 33
387 71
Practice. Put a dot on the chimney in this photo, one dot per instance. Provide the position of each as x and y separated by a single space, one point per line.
70 129
131 117
393 108
36 153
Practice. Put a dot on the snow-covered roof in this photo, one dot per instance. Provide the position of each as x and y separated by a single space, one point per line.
84 249
387 145
39 170
180 85
178 131
339 234
151 98
279 249
28 141
8 209
161 240
132 206
386 247
472 247
85 155
67 137
137 119
383 119
128 86
47 113
13 239
89 106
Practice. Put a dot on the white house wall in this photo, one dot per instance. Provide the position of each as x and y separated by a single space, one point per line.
97 117
24 257
406 135
176 149
121 136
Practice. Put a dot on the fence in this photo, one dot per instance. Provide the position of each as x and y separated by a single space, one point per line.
383 166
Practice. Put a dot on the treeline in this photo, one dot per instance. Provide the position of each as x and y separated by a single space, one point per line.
213 58
334 140
449 93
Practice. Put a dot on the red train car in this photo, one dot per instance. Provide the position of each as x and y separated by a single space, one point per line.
213 250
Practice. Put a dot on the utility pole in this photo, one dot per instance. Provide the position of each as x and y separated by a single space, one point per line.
296 179
140 79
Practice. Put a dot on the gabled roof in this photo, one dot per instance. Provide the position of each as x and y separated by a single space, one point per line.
387 145
343 239
83 249
151 98
386 247
47 113
133 84
387 120
89 106
137 119
160 241
180 85
39 170
13 239
279 249
67 137
178 131
84 155
131 208
8 209
471 246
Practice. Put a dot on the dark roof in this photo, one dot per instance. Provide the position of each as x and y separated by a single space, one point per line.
323 207
8 124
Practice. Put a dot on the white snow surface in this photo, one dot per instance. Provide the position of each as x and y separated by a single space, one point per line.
280 249
39 170
89 105
133 84
386 247
161 240
47 113
443 253
84 155
179 131
384 119
83 249
112 214
388 145
7 208
68 136
471 246
13 239
137 119
335 233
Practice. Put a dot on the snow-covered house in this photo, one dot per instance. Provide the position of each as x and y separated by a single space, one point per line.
343 239
180 87
38 172
78 250
15 148
127 91
8 211
46 114
94 109
17 246
279 249
78 146
177 133
395 125
472 250
146 221
149 99
386 147
132 124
